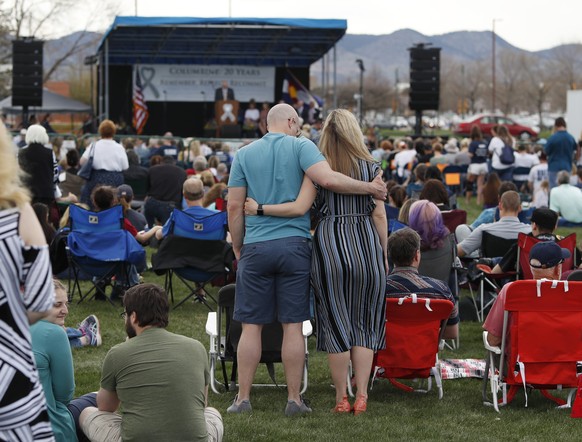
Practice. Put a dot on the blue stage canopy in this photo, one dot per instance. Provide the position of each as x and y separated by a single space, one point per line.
278 42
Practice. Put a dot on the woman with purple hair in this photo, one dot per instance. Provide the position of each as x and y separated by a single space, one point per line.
426 218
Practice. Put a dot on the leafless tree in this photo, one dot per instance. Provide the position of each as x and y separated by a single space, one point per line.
537 85
511 66
565 70
378 92
41 19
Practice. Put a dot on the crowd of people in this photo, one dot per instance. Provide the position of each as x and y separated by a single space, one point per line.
338 213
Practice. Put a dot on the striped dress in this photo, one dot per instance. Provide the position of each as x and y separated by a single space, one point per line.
25 285
347 271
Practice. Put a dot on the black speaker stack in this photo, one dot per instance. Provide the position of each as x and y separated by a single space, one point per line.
424 77
27 72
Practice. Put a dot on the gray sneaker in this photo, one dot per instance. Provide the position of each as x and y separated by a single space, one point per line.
292 409
243 407
91 328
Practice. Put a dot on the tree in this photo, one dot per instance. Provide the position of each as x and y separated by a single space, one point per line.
537 85
41 19
565 70
377 90
511 67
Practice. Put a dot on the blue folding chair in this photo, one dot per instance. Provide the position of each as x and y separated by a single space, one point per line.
394 225
195 250
100 247
391 212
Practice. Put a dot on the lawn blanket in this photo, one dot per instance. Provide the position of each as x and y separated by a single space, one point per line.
462 368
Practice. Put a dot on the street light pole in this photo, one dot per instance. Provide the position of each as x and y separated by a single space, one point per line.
360 63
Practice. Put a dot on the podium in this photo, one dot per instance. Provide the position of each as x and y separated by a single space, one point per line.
226 116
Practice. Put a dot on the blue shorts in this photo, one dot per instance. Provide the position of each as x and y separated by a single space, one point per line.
272 282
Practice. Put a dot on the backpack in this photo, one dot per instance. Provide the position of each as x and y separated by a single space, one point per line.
507 155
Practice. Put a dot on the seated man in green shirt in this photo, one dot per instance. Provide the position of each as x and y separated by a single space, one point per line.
160 379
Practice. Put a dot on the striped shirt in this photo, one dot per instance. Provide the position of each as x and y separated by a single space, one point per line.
25 285
404 281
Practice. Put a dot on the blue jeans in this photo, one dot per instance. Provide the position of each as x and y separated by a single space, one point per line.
74 336
553 179
154 209
504 174
562 222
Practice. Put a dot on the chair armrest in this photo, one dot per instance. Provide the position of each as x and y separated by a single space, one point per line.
211 324
307 328
491 348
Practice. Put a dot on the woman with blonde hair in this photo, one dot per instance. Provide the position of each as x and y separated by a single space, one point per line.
109 161
187 155
26 294
349 260
207 179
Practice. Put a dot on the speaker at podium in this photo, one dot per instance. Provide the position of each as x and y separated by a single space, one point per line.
226 115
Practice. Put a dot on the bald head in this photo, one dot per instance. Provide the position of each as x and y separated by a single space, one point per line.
193 190
283 118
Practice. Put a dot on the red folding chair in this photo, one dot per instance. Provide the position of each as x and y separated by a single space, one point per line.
526 242
454 218
541 342
414 329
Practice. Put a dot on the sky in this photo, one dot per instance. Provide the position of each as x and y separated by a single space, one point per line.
528 24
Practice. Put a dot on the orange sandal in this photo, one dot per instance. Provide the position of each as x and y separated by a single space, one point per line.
360 405
342 407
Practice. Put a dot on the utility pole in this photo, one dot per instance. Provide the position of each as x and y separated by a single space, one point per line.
493 104
360 63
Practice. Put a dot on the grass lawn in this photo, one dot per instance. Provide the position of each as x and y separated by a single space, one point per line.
392 414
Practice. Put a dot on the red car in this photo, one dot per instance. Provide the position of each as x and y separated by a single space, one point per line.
486 122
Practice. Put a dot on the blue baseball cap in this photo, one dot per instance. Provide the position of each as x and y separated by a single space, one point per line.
547 254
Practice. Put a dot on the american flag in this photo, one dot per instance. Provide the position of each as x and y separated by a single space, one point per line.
140 107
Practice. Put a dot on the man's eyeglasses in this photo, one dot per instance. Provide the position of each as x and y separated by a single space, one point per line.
298 133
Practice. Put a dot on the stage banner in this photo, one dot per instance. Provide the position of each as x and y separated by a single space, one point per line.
180 82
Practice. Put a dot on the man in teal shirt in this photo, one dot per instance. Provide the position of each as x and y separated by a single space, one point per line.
274 264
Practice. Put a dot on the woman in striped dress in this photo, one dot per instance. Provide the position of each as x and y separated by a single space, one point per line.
26 294
349 263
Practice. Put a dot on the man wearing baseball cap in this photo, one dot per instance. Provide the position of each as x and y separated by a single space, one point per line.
543 224
545 261
125 195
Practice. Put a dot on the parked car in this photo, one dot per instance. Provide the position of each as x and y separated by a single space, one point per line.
486 122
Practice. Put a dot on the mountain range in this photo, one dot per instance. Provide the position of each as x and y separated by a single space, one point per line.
387 54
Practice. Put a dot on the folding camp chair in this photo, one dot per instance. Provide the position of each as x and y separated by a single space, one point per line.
440 264
526 242
394 225
414 329
196 252
391 212
452 177
541 342
454 218
99 247
224 333
491 247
